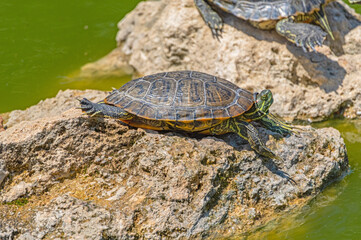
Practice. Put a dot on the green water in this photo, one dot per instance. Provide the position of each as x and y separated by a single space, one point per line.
43 43
335 213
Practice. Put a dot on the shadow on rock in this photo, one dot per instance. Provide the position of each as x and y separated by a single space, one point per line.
325 73
330 74
272 166
341 22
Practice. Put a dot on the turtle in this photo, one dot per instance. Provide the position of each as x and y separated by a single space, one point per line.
292 19
191 101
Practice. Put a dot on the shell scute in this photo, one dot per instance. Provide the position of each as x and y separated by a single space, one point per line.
185 115
236 110
182 96
149 111
218 95
245 99
222 113
261 10
139 89
190 92
203 113
133 106
153 77
166 114
161 92
204 76
178 75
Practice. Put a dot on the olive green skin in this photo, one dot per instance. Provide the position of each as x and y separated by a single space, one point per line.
193 102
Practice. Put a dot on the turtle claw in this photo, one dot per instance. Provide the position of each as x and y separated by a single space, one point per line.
216 26
312 47
318 42
211 17
309 43
303 35
315 38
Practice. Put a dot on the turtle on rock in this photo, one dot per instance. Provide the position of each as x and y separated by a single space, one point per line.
296 20
191 101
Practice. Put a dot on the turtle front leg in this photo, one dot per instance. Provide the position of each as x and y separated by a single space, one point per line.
303 35
103 110
211 17
250 133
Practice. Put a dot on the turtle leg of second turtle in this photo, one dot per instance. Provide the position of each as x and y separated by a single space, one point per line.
304 35
211 17
297 29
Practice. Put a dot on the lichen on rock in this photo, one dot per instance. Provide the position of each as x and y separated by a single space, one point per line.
96 178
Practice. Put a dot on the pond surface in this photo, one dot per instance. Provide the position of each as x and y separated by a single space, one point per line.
335 213
43 45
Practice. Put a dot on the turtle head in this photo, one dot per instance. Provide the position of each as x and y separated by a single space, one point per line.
264 100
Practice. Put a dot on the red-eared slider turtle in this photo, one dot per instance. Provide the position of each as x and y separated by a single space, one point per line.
193 102
291 18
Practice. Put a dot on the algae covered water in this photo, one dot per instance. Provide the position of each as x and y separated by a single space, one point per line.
335 213
44 43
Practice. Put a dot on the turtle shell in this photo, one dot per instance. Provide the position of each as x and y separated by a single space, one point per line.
181 96
262 10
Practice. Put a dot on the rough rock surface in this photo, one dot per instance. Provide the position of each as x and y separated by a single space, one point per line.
71 176
170 35
1 124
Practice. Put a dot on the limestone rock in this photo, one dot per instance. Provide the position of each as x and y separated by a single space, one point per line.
19 190
94 178
170 35
1 124
3 172
78 220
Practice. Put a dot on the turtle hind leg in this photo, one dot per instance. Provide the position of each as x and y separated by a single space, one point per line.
103 110
250 133
211 17
304 35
